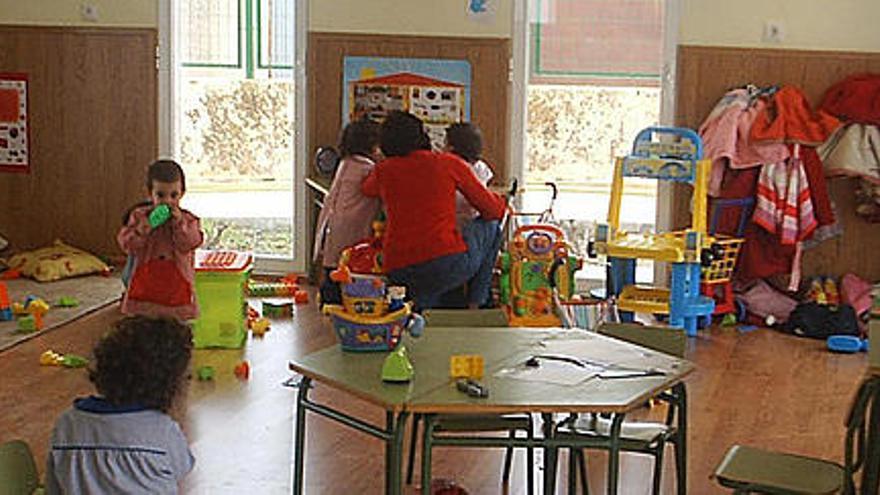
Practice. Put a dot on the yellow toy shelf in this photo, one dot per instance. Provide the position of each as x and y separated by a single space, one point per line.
644 299
659 247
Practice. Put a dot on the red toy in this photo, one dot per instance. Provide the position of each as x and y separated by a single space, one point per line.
301 297
242 371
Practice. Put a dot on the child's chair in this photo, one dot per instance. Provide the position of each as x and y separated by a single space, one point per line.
18 471
592 431
751 470
466 423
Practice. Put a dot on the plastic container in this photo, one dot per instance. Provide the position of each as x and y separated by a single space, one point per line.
221 284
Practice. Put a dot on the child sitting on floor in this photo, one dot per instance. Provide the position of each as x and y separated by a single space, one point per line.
347 214
123 440
162 273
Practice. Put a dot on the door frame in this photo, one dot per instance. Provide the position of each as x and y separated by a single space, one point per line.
166 63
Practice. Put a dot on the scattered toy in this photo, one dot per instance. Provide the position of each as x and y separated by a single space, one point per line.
26 324
67 302
472 388
260 326
466 366
242 371
275 309
397 367
847 344
205 373
52 358
301 297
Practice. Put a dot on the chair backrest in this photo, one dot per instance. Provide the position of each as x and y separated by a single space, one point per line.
856 443
18 471
465 317
668 340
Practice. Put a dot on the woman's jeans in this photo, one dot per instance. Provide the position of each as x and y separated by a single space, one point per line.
427 282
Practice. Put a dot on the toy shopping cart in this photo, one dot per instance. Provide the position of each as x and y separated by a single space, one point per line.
717 275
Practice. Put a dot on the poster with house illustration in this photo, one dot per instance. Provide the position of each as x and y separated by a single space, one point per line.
435 90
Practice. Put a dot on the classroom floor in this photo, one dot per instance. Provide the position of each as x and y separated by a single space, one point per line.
760 388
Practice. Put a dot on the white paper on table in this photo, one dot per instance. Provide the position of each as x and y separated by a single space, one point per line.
551 371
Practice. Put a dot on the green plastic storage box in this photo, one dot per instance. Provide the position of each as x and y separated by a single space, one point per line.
221 284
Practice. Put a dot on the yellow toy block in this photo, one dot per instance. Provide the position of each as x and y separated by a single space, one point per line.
466 366
260 327
18 308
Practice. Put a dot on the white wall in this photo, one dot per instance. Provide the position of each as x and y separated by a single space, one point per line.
417 17
129 13
846 25
807 24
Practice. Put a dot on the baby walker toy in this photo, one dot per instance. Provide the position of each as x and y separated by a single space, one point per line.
535 254
662 153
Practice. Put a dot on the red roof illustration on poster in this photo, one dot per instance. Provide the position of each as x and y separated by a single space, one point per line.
408 79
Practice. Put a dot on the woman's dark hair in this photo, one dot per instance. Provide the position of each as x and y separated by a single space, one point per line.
465 140
402 133
142 362
165 171
359 138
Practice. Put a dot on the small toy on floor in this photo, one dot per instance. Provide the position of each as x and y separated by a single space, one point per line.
205 373
277 309
242 371
847 344
52 358
67 302
260 326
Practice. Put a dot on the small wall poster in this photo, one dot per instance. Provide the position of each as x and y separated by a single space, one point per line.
438 91
14 142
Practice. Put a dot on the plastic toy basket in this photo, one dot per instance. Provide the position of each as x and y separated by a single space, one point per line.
722 266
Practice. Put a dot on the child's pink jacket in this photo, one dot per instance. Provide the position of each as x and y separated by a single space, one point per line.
162 278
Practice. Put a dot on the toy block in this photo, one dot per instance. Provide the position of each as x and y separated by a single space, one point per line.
277 309
242 370
51 358
301 297
260 326
67 302
205 373
466 366
27 324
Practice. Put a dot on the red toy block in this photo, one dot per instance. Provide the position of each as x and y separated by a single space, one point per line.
301 297
242 371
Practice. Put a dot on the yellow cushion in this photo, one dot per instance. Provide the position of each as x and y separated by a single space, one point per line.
57 262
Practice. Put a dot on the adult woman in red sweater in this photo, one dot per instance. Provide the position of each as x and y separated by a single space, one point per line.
423 249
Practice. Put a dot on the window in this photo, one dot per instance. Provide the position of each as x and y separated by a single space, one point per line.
594 81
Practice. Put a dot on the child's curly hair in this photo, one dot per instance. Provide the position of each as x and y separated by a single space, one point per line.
142 361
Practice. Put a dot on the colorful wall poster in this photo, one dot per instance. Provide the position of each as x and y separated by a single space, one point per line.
438 91
14 142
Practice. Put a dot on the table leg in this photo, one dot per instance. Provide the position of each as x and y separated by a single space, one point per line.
427 439
614 453
394 451
549 454
300 438
680 391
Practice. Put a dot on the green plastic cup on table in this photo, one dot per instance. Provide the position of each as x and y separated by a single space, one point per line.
159 215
